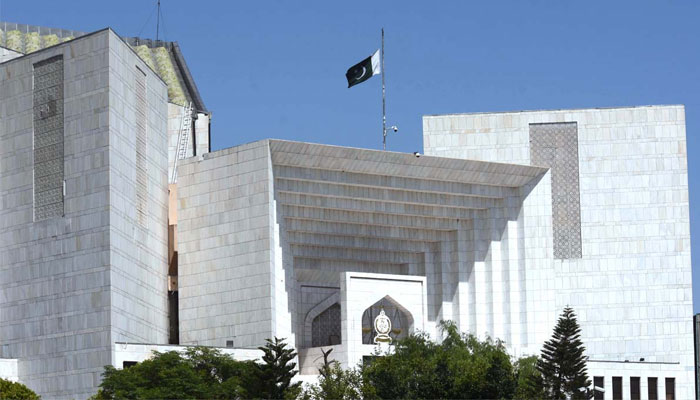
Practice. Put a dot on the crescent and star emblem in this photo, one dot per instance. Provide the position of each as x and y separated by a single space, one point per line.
364 71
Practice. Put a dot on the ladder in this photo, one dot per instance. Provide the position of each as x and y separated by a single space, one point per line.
183 140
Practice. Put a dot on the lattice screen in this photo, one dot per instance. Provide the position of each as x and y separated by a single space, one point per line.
555 145
48 138
141 144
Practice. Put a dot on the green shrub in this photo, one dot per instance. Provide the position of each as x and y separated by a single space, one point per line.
145 54
13 40
50 40
32 42
166 70
16 391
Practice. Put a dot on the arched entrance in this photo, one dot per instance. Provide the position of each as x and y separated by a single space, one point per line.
325 327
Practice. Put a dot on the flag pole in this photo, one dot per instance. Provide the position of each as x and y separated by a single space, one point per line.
383 96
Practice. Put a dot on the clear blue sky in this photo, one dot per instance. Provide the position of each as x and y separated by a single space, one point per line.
276 68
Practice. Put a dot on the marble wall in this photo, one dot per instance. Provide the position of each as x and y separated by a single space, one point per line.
632 286
74 283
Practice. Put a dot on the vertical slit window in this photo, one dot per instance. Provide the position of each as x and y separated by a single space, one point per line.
48 139
598 388
141 148
670 388
653 389
617 388
635 391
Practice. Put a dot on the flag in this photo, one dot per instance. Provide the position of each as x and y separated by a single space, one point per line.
364 70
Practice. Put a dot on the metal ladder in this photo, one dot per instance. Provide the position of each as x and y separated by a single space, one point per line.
183 140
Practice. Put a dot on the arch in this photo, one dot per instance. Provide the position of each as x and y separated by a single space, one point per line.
401 319
325 328
315 312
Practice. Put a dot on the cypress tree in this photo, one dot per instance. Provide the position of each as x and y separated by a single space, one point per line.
563 363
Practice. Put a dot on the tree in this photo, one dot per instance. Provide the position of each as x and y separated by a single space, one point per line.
528 379
275 375
563 363
459 367
16 391
336 383
198 373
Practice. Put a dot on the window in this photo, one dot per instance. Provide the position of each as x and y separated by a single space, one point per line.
128 364
555 145
48 139
141 147
598 388
635 391
617 388
653 388
325 328
670 388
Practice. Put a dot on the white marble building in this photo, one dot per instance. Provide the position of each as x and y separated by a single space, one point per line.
508 218
630 281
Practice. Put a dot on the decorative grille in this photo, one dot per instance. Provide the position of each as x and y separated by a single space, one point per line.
48 139
141 146
555 145
325 328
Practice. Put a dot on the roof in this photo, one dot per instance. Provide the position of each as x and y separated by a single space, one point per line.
555 110
349 159
163 57
302 155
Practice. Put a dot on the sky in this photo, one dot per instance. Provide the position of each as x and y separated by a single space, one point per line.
276 69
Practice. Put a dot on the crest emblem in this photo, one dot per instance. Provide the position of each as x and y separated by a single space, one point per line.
382 324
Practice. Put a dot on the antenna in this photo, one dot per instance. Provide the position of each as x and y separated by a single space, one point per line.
158 21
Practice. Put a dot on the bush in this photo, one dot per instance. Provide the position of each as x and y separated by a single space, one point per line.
199 373
529 379
32 42
336 383
50 40
14 390
13 40
460 367
204 373
166 70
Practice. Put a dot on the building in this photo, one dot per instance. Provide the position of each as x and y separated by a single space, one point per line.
121 233
617 247
88 133
696 333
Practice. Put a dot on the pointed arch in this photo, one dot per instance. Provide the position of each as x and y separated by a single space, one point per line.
315 312
401 319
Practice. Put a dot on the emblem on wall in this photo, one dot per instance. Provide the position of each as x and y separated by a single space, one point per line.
382 324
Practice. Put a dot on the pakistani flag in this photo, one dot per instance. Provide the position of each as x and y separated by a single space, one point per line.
364 70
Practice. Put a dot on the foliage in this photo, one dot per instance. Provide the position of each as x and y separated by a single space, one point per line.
50 40
198 373
563 363
336 383
166 70
528 379
33 43
204 373
13 40
459 367
273 377
145 54
14 390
